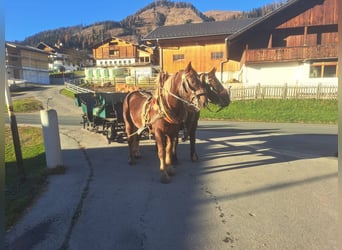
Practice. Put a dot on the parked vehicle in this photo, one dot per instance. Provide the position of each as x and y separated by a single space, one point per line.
102 113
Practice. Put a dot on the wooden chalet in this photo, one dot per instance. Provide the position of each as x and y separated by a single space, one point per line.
295 44
117 52
26 63
204 44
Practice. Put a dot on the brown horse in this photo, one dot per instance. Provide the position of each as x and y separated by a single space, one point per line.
218 95
163 113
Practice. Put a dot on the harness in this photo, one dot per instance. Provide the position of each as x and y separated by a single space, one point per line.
160 102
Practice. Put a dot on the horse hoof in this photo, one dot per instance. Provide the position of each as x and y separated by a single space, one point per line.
174 161
194 158
164 178
137 155
170 170
131 162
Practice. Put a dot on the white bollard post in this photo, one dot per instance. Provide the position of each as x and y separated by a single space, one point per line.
51 138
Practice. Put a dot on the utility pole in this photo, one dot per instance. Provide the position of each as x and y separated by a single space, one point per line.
15 134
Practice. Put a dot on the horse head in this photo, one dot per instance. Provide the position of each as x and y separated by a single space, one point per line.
216 92
193 87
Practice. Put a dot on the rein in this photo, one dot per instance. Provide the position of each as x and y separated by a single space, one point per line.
216 90
180 99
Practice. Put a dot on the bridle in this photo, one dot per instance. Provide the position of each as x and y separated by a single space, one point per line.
188 91
186 94
216 92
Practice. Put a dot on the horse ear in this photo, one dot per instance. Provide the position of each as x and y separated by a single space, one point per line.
202 78
188 67
212 71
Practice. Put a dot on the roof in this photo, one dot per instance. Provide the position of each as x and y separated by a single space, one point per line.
199 29
110 39
26 47
42 46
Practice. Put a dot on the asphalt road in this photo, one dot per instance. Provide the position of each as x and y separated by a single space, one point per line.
256 186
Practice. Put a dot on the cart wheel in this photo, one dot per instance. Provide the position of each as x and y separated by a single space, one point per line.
112 133
84 123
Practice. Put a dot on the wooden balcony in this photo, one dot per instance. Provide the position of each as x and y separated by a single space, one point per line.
328 51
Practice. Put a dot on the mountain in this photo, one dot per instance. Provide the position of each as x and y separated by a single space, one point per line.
134 27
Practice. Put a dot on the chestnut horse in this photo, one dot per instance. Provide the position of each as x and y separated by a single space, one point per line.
216 94
163 113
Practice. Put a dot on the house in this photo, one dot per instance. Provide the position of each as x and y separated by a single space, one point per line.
26 63
204 44
295 44
62 59
117 52
119 58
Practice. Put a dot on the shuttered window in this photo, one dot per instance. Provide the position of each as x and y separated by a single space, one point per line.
216 55
323 69
178 57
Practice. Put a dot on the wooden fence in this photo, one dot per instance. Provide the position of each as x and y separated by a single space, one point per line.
284 92
259 91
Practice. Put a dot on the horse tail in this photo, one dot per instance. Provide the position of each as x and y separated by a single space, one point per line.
126 111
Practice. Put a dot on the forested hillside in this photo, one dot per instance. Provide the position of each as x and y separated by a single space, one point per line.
136 26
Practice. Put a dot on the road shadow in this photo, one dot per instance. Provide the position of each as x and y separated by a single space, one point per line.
126 207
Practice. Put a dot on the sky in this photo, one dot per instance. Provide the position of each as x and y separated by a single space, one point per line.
25 18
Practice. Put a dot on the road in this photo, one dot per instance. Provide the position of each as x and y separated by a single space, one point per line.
256 186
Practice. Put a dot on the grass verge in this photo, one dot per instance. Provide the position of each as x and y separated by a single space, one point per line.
67 93
26 105
277 110
20 194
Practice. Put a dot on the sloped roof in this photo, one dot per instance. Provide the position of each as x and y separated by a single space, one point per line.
110 39
26 47
199 29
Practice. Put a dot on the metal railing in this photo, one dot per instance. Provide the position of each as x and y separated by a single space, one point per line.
76 88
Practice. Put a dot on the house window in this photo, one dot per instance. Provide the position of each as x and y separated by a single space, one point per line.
178 57
216 55
144 59
323 69
113 52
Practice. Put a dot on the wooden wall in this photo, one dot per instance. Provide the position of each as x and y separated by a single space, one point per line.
321 14
198 51
126 50
34 60
316 26
27 58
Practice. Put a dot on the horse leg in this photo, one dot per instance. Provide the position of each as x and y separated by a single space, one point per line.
192 135
174 158
136 147
160 141
168 155
193 154
132 141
